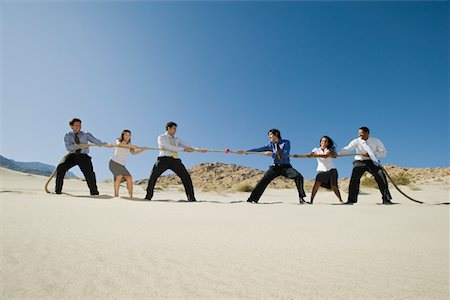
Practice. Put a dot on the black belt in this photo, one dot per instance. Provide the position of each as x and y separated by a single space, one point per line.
280 165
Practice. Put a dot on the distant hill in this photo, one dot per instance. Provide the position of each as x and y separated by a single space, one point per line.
37 168
226 177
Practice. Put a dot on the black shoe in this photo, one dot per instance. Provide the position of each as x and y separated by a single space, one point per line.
192 200
388 202
302 201
251 201
58 193
148 198
348 203
95 193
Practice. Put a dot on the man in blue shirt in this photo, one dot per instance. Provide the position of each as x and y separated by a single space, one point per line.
77 144
279 149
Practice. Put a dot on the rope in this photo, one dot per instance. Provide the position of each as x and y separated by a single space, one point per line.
54 173
227 151
396 186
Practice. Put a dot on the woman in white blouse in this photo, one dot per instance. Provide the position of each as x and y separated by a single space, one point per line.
327 175
117 162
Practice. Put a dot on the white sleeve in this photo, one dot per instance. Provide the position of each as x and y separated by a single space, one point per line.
380 150
185 145
347 149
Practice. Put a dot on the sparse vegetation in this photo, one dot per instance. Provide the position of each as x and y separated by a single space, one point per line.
243 187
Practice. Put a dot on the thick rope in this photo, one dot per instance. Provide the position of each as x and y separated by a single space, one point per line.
396 186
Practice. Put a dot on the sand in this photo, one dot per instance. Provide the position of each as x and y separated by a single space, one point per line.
81 247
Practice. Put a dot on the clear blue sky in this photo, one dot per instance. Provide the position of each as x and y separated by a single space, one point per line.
226 72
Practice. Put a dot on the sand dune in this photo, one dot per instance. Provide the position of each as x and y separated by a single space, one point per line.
80 247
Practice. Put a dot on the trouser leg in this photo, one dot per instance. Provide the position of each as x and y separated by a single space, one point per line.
180 170
381 180
85 163
270 175
359 168
61 171
159 167
299 180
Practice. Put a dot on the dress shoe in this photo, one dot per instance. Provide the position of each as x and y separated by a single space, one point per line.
348 203
192 199
388 202
148 198
251 201
95 193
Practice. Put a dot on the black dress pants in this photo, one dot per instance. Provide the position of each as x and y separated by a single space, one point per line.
169 163
359 168
274 171
85 164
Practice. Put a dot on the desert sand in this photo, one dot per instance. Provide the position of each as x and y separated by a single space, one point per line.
221 247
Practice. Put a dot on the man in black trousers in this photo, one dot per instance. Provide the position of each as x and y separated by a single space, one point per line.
368 150
76 142
168 160
279 149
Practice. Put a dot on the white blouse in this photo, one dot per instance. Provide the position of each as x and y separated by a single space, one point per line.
120 154
323 164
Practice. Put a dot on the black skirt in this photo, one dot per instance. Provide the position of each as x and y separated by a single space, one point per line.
328 179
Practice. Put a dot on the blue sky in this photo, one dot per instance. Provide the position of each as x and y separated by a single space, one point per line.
226 72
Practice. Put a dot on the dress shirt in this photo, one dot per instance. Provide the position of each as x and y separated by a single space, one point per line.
171 147
323 164
359 145
85 137
285 147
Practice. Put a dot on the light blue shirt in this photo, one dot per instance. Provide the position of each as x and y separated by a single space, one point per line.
85 137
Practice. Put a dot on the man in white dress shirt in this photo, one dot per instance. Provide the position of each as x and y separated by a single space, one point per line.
168 160
368 150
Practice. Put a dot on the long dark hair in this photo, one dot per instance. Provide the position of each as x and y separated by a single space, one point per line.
121 136
331 145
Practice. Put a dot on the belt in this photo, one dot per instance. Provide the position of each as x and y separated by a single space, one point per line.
280 165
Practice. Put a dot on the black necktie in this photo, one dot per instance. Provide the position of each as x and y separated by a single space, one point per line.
77 141
278 151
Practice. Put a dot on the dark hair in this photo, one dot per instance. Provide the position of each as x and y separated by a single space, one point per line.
331 146
74 120
365 129
170 125
275 132
121 136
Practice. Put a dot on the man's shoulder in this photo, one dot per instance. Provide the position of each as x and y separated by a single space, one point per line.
373 139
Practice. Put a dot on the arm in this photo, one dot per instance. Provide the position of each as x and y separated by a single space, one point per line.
134 152
261 149
347 149
94 140
380 150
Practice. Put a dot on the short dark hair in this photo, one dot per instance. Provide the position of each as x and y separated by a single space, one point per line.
170 125
74 120
365 129
275 132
